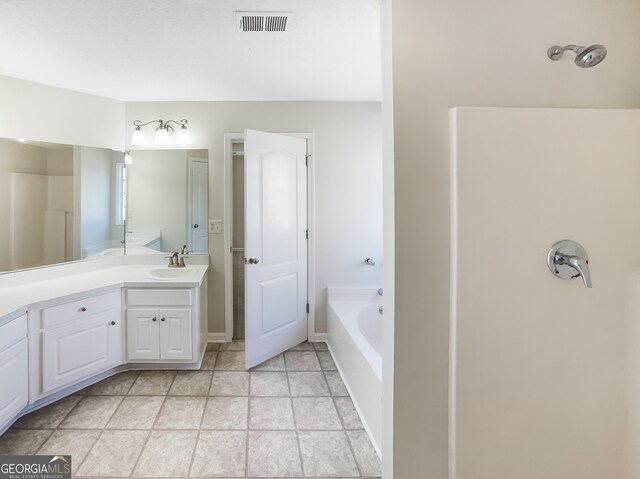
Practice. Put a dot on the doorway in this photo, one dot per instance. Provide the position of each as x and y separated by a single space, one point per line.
234 239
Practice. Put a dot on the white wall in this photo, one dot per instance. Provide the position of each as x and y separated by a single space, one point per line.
348 172
541 364
490 53
44 113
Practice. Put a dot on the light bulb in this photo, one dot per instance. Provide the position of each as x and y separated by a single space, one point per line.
138 138
183 137
127 158
162 136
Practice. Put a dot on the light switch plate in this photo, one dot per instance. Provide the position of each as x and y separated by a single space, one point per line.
215 226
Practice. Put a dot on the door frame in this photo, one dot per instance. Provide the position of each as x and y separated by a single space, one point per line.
190 161
229 140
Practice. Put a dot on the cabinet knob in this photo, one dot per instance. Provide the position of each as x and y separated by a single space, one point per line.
113 323
154 319
83 309
162 319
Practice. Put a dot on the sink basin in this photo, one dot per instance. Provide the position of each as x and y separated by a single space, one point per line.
165 274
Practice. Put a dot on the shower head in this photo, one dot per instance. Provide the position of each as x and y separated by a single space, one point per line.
586 57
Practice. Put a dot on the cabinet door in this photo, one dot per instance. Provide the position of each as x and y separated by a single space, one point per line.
81 349
14 375
143 334
175 334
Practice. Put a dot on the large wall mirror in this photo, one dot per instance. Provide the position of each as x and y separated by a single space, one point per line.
58 203
62 203
166 201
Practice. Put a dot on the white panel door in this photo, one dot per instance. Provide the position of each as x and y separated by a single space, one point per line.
143 334
81 349
199 205
14 375
275 244
175 334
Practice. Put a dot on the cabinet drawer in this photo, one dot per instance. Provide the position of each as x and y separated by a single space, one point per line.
13 331
158 297
81 308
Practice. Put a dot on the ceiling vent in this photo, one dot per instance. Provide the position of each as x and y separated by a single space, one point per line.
264 21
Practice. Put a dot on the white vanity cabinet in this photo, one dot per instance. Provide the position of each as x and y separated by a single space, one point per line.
14 368
161 325
75 340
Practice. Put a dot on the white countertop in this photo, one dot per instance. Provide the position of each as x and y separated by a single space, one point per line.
15 300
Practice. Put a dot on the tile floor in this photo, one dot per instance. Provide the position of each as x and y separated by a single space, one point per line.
289 417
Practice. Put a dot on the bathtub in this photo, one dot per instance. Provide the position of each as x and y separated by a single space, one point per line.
354 336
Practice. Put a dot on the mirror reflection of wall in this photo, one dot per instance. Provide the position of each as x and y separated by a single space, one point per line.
167 201
100 231
36 203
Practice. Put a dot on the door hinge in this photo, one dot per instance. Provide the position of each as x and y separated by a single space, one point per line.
307 308
307 234
306 160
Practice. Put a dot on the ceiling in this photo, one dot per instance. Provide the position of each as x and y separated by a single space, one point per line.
191 50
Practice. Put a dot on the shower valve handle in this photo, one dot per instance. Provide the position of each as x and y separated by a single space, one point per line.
568 260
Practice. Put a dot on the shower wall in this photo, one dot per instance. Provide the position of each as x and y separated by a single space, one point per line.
545 368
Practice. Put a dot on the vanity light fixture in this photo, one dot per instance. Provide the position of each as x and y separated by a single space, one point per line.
127 158
163 132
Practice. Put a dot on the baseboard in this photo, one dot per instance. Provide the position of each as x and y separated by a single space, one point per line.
320 337
216 337
222 337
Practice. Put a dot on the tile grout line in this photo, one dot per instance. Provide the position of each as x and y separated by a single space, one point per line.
295 425
88 452
195 447
344 431
135 465
333 399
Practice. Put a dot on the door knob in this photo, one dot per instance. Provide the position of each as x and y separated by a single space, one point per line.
253 260
162 319
568 260
154 319
196 225
113 323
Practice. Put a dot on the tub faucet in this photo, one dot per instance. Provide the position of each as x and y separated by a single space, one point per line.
370 261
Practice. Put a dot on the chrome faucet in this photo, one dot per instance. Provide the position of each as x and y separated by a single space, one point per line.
175 261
